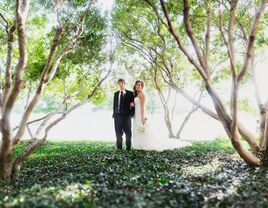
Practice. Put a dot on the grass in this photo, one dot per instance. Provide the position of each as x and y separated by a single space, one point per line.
94 174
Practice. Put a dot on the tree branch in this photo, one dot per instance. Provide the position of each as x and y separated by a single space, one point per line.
234 94
251 39
179 42
190 33
8 79
47 76
22 8
6 22
187 117
37 143
207 38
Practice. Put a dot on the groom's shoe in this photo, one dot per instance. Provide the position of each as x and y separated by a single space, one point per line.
128 149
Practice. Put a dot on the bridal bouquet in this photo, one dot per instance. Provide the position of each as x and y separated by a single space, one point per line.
142 128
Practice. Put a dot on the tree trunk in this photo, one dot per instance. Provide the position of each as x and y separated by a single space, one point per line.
186 119
263 153
5 169
166 111
169 126
6 160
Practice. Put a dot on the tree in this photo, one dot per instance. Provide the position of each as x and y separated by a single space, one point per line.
144 37
75 40
197 49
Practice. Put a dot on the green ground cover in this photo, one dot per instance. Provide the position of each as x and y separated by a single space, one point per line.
94 174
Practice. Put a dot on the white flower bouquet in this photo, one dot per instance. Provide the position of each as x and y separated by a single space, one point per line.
142 128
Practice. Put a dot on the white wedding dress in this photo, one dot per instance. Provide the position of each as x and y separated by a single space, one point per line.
147 139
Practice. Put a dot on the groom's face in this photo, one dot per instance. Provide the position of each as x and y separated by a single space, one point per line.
121 85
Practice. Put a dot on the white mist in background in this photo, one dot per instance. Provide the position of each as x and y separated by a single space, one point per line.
89 124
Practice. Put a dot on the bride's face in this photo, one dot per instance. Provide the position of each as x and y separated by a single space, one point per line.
138 86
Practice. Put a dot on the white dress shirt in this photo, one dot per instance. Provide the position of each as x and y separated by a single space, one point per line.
124 93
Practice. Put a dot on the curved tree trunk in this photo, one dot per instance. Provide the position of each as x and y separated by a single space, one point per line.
10 169
7 146
229 122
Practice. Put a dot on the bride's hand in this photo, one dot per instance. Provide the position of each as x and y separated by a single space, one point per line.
143 121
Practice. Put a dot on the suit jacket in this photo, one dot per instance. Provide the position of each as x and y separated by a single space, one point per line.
128 98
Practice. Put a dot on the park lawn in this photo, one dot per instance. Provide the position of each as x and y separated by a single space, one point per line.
94 174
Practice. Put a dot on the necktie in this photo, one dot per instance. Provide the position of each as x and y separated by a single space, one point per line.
121 102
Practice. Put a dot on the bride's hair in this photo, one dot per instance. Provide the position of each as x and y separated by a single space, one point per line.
134 88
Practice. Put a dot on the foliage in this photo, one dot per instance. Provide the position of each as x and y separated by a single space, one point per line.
144 43
93 174
246 106
136 22
84 57
47 104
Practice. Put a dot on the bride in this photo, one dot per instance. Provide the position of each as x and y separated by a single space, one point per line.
143 135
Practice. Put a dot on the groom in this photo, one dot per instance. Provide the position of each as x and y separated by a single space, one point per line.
123 110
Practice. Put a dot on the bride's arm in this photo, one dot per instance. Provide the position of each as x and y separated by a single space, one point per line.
142 98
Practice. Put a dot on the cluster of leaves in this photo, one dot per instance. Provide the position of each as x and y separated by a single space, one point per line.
83 174
86 61
142 34
136 22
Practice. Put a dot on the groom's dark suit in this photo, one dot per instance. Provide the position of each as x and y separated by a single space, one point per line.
122 113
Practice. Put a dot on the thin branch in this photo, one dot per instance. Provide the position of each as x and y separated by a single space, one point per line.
251 39
33 121
156 12
187 117
179 42
242 28
39 89
242 130
190 33
231 38
47 77
220 26
28 95
189 98
8 78
234 93
6 22
38 142
207 37
255 84
30 132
